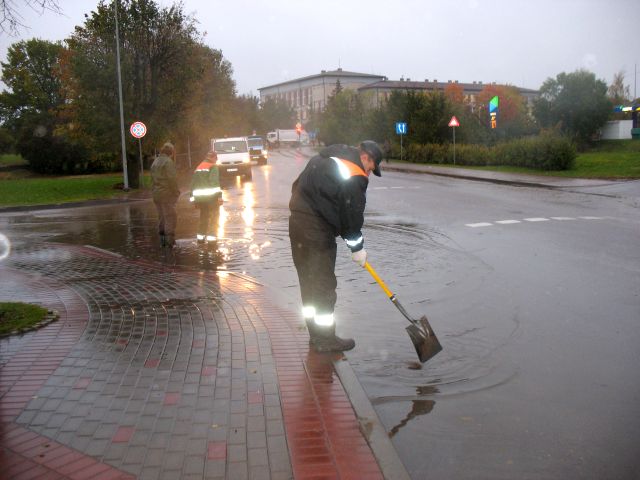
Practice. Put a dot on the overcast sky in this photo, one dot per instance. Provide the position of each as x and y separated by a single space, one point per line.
505 41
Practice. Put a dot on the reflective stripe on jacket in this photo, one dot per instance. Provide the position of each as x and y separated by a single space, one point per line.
205 183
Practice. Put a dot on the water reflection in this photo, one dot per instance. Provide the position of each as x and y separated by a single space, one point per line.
418 407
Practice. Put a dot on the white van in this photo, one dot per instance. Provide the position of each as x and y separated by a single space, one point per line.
233 156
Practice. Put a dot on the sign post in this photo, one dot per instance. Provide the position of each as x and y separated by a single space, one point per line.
139 130
401 129
453 123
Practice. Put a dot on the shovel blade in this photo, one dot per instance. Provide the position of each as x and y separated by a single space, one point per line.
424 339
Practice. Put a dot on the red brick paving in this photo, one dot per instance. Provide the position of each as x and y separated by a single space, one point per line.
322 431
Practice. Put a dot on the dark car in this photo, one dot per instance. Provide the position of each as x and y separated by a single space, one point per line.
257 149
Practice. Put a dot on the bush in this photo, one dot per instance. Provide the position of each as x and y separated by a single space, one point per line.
544 152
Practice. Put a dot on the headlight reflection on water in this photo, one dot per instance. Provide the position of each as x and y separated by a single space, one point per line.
5 247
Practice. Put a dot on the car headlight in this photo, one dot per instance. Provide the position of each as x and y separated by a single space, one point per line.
264 153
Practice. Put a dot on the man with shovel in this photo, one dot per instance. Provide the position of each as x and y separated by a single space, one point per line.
328 200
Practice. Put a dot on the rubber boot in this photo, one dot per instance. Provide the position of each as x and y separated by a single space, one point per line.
325 340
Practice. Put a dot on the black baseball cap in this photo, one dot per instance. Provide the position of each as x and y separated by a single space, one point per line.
374 151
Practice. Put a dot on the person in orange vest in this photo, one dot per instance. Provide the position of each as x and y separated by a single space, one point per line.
206 195
328 200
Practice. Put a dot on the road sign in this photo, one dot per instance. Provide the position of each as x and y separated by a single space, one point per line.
493 104
454 122
401 128
138 129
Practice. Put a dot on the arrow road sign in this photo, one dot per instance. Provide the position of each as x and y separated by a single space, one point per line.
401 128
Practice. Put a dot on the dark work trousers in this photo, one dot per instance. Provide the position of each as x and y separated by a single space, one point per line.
313 247
167 217
209 213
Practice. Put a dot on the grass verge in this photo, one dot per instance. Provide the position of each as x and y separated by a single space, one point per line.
17 316
54 190
9 159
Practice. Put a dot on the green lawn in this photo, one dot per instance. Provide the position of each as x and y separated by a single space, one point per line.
52 190
16 316
11 159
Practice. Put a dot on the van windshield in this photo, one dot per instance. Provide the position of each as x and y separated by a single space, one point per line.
254 142
230 147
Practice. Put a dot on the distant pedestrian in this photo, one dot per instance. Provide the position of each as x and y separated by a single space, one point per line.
165 193
206 194
387 149
328 200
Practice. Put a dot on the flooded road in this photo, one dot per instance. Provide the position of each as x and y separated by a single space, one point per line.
538 311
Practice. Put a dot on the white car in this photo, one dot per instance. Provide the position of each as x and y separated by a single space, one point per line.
233 156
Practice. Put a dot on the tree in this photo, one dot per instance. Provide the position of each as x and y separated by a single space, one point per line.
275 113
30 75
618 92
513 118
455 93
575 103
29 109
179 87
10 19
343 120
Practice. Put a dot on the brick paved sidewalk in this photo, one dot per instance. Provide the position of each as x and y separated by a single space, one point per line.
163 373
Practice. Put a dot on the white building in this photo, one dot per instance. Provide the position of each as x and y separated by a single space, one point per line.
312 92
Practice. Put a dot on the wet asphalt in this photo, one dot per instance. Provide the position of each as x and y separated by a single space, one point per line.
534 294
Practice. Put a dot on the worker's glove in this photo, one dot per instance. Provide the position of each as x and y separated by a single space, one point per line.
360 257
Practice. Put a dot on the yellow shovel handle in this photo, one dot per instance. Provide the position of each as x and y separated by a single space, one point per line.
378 279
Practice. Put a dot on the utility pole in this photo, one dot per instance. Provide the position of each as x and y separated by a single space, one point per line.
124 148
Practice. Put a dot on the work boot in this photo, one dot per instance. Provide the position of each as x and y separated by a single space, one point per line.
325 340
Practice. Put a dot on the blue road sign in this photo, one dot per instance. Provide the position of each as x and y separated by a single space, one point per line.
401 128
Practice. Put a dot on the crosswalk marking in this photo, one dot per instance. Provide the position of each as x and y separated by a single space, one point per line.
476 225
530 219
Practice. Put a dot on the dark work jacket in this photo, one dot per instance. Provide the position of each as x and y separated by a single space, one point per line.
323 198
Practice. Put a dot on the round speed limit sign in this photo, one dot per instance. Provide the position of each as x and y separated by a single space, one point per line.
138 129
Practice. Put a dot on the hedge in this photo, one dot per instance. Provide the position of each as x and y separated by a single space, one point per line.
543 152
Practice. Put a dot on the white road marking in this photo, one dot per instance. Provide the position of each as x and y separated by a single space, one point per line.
476 225
531 219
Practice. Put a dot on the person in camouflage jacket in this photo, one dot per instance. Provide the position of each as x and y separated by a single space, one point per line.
165 193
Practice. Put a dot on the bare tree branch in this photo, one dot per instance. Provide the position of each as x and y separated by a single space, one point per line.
11 22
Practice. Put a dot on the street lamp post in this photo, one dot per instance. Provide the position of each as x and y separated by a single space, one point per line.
124 148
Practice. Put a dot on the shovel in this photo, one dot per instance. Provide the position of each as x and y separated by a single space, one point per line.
422 335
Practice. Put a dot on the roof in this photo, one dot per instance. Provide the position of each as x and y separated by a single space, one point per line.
427 85
331 73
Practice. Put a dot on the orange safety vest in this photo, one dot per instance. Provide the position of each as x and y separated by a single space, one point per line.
353 169
204 165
